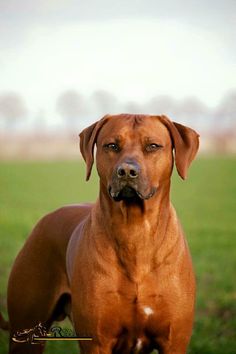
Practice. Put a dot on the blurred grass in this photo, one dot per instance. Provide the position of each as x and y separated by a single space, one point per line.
206 204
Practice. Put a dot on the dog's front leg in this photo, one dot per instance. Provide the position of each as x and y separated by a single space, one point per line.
176 345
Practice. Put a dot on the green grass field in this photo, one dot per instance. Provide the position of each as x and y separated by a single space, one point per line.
206 204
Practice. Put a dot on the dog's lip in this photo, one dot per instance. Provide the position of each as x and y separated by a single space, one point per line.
149 195
115 194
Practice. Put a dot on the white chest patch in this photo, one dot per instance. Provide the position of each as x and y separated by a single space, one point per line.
139 344
148 311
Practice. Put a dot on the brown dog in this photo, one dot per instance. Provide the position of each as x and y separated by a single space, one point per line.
120 268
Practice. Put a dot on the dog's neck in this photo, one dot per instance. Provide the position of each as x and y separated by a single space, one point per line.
136 231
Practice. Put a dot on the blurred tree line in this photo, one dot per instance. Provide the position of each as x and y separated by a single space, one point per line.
76 111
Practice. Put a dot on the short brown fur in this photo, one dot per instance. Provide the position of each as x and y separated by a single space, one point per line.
123 265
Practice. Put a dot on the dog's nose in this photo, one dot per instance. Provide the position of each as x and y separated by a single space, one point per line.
127 170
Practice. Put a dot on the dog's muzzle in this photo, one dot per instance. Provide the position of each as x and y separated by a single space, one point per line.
127 183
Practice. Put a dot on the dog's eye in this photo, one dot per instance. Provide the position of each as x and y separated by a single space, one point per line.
112 146
153 147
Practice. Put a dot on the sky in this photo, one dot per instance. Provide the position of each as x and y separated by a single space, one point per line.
134 49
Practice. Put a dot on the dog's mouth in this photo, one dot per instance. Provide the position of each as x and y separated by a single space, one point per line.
128 193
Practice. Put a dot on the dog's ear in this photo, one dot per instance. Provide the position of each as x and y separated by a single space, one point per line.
185 143
88 139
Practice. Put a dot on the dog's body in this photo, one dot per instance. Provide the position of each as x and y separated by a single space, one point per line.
120 268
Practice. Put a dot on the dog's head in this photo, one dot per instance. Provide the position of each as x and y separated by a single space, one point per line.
135 153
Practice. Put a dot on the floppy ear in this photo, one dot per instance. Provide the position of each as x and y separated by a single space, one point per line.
185 142
88 139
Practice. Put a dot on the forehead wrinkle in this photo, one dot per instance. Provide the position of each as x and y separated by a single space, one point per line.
133 126
137 120
122 126
133 119
153 128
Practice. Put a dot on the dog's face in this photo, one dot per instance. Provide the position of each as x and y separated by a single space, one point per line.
134 156
134 153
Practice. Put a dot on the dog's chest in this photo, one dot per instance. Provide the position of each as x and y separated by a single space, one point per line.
141 304
140 325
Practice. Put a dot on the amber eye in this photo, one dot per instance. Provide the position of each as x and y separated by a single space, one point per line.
112 146
153 147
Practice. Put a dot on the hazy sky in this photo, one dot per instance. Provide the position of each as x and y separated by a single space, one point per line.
133 49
